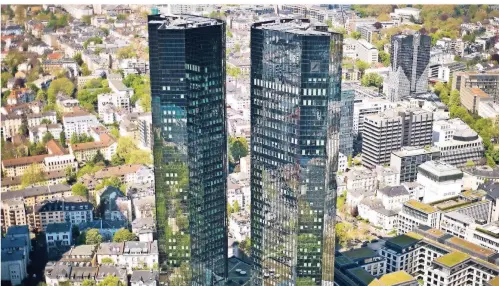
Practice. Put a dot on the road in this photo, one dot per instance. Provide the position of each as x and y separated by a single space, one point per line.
38 261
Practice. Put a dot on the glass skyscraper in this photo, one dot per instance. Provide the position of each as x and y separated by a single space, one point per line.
410 58
295 124
187 63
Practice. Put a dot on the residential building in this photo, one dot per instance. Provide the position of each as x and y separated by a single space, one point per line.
144 228
407 160
310 86
440 180
369 33
393 129
350 48
13 213
130 254
71 209
366 258
144 207
487 235
409 58
106 228
56 65
475 176
10 125
79 122
144 278
114 205
79 255
58 234
17 166
20 232
36 133
14 267
35 119
56 273
195 155
117 100
239 225
119 88
84 152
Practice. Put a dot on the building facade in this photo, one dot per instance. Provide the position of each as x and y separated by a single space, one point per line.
409 57
187 62
295 126
407 160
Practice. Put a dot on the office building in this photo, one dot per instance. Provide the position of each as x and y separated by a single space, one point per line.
409 58
368 32
387 132
457 142
346 120
407 160
439 180
367 52
295 126
488 82
187 62
365 106
472 98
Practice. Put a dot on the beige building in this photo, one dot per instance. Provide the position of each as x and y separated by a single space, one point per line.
10 124
471 98
13 213
86 151
17 166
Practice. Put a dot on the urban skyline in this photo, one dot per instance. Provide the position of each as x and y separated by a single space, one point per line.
213 144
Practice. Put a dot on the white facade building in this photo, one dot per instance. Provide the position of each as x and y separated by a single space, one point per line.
439 180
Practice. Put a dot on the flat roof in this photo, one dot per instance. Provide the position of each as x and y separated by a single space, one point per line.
452 259
478 92
440 168
359 253
426 208
404 240
296 26
414 151
473 248
396 278
362 275
183 21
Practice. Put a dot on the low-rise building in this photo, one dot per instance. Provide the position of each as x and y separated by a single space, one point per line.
475 176
144 278
36 133
366 52
407 160
415 213
79 122
239 225
366 258
85 152
58 235
144 207
14 267
439 180
70 209
144 228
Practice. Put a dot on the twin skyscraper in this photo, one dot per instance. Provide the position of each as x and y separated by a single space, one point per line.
295 124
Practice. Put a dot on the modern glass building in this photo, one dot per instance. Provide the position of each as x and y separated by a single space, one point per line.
410 58
295 118
187 63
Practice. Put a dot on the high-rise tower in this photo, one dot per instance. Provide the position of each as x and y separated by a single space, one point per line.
187 63
410 57
295 119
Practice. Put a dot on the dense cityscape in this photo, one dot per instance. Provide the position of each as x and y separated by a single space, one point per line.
300 145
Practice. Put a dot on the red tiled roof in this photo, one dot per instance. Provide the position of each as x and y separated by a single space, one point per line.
24 160
105 141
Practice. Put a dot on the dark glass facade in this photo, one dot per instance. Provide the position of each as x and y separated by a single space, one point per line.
295 122
187 63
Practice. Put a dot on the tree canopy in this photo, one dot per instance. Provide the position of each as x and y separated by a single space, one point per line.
79 189
124 234
32 175
63 85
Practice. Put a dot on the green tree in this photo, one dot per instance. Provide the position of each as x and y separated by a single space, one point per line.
349 161
372 79
127 52
98 158
111 280
86 19
23 128
245 245
139 157
145 102
355 35
470 163
84 70
47 137
361 66
107 260
46 121
230 209
62 138
305 281
122 17
124 234
236 206
88 282
78 59
384 58
95 40
116 160
20 15
32 175
79 189
111 181
125 147
63 85
239 148
92 236
41 95
89 168
5 77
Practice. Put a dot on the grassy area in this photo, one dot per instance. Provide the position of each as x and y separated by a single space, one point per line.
452 259
404 240
421 206
396 278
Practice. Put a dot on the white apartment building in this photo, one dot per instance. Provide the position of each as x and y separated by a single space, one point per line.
117 86
239 225
79 122
350 48
405 14
439 180
58 234
119 100
366 52
477 175
59 163
487 235
69 209
361 178
36 133
35 119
